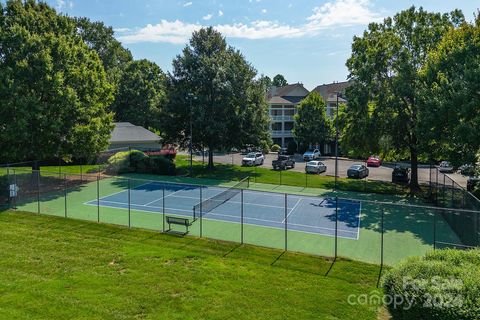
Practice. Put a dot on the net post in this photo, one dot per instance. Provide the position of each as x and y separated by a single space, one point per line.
128 184
65 194
38 191
382 238
241 216
201 212
98 197
336 227
286 223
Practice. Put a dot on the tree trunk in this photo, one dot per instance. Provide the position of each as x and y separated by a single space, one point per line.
210 159
414 186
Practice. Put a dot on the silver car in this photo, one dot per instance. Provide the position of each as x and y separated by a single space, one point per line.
315 167
445 167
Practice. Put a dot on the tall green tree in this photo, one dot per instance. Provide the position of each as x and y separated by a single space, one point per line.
451 101
213 87
266 82
101 38
279 81
385 64
141 94
53 89
312 126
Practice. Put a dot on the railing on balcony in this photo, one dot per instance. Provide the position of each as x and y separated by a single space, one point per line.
282 133
282 118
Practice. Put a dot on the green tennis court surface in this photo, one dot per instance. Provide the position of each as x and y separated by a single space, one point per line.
407 231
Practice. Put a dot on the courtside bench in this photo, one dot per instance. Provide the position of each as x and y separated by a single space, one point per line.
178 221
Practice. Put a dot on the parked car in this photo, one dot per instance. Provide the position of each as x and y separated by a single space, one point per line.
445 167
472 182
315 167
467 169
311 155
283 162
400 174
284 151
253 159
357 171
374 161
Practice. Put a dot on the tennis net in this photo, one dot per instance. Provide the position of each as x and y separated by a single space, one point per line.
210 204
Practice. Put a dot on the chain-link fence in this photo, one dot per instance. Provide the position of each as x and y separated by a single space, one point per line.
365 230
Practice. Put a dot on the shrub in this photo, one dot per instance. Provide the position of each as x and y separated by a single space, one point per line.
275 148
160 165
126 161
444 284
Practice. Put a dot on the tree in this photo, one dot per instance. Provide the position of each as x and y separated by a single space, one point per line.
53 89
311 123
279 81
101 39
451 100
141 94
385 64
213 86
266 82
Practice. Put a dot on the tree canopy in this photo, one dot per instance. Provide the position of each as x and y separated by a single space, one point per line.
141 94
213 86
312 126
385 65
53 89
279 81
451 100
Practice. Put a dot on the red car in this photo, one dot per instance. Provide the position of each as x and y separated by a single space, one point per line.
374 161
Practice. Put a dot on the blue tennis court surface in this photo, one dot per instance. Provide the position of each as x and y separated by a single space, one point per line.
306 214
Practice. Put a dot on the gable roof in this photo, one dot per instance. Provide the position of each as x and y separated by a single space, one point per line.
291 93
127 132
328 91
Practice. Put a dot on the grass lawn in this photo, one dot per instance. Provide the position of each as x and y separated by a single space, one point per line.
54 268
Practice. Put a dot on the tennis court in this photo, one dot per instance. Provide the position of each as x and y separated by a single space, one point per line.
313 215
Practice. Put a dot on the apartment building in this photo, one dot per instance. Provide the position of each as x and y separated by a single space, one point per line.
283 103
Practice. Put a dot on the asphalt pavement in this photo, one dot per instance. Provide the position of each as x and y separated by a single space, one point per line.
382 173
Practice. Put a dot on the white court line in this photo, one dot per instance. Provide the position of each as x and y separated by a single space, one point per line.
227 215
165 196
112 194
296 204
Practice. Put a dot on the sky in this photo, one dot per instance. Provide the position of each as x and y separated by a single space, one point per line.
307 41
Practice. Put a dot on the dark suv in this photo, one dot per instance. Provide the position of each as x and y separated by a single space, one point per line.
400 174
283 162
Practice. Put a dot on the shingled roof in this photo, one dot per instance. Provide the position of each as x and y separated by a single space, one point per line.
125 132
286 94
328 91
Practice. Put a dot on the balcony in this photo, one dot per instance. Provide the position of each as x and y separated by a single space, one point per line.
282 118
281 133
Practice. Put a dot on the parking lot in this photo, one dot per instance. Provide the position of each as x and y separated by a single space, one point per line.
382 173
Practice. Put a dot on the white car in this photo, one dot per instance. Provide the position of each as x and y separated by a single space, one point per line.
311 155
445 167
253 159
315 167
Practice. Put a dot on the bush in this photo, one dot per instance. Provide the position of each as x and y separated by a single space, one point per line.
125 162
444 284
275 148
138 162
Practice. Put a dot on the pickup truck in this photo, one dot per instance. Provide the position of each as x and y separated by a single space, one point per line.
283 162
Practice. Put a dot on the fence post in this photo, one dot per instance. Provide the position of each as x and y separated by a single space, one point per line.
241 216
38 191
163 209
65 187
128 203
280 176
336 227
443 197
98 197
434 230
381 241
306 180
201 212
436 187
286 223
16 193
453 193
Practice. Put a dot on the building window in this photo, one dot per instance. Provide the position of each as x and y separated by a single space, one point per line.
288 126
289 112
277 126
276 112
288 106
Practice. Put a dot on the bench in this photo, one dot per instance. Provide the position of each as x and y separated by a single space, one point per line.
178 221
